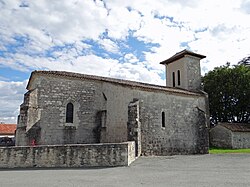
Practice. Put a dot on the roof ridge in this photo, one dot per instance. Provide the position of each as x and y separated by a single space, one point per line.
112 80
236 127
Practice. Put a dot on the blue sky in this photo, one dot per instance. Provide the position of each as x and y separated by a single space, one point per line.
113 38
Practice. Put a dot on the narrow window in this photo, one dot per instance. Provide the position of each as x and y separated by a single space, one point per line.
69 113
163 119
173 76
179 77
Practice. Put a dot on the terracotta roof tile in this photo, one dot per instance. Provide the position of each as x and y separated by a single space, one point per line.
8 129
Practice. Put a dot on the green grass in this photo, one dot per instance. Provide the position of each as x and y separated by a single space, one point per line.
222 151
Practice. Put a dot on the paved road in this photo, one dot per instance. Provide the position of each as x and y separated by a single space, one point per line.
196 170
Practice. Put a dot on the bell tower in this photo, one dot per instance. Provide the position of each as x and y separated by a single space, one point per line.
183 70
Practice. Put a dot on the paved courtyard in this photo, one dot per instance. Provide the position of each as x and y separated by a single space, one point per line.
195 170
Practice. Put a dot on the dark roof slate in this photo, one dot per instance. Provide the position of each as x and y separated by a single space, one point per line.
237 127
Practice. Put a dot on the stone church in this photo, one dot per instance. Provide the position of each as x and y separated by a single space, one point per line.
71 108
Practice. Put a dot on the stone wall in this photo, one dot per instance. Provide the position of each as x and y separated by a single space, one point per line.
101 114
183 121
220 137
193 73
183 126
240 140
180 65
134 126
88 155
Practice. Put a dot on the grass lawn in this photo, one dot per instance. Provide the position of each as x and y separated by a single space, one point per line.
221 151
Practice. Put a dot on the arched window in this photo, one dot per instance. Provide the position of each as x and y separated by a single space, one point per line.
179 77
173 76
69 113
163 119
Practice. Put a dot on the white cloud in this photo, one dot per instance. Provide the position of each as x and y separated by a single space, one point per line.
109 45
11 96
49 23
222 45
223 31
245 6
136 72
62 22
131 58
92 64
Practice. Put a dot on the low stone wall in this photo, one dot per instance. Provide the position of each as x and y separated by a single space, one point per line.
76 155
240 140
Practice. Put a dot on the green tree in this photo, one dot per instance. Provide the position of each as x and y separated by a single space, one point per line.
228 89
245 61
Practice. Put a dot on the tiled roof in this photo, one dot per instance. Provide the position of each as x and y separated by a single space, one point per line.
7 129
111 80
237 127
180 55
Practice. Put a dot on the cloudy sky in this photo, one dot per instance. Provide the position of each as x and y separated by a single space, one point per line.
113 38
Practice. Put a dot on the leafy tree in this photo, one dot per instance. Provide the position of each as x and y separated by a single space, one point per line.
245 61
228 89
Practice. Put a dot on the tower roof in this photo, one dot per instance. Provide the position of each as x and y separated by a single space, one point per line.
180 55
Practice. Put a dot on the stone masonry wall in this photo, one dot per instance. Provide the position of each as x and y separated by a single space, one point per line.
180 65
134 125
29 116
193 73
101 115
88 155
240 140
54 95
181 134
220 137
